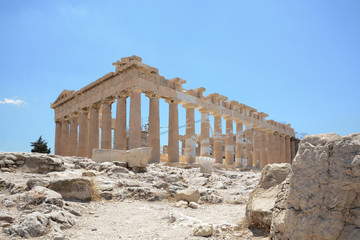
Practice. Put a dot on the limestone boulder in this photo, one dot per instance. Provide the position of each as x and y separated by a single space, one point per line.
73 188
189 195
262 199
321 199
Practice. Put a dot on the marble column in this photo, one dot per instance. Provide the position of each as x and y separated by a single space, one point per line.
229 141
58 137
287 149
173 145
256 147
65 137
249 144
205 135
270 143
218 139
93 128
106 124
190 145
292 149
83 133
264 148
120 133
282 148
73 135
276 155
154 128
239 144
135 119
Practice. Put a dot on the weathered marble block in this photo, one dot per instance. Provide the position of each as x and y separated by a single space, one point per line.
137 157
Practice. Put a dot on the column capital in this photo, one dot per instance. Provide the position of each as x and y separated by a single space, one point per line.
95 105
84 110
227 117
172 101
287 136
204 110
152 95
74 115
216 114
249 124
135 90
237 120
188 105
108 101
65 119
277 133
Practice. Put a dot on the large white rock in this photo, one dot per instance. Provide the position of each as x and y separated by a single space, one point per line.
262 198
189 195
73 188
321 199
137 157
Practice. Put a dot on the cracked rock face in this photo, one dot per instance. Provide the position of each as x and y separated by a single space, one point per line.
321 198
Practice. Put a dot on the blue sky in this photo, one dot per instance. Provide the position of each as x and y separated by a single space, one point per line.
298 61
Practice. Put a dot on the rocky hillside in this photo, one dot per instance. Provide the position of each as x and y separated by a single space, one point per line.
52 197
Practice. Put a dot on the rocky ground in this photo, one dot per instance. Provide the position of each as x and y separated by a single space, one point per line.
76 198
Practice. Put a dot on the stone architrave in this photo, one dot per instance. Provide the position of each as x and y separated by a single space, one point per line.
264 148
120 133
135 119
106 124
65 137
173 145
218 139
190 145
154 127
58 138
249 144
93 128
83 133
257 147
239 145
204 135
73 135
229 141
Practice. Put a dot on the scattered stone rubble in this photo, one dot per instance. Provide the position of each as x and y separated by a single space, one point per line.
35 204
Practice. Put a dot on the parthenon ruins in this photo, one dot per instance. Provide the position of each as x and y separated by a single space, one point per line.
79 115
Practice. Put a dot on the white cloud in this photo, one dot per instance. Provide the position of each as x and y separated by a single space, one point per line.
13 101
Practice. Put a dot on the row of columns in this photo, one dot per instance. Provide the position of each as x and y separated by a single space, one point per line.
78 134
254 147
83 134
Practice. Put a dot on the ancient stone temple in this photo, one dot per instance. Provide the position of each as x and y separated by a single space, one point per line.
79 116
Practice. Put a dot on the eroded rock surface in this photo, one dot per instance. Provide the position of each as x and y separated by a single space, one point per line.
262 199
321 199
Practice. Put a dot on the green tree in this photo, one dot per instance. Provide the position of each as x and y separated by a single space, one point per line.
40 146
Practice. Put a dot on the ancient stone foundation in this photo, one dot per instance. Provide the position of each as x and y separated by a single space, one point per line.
79 115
